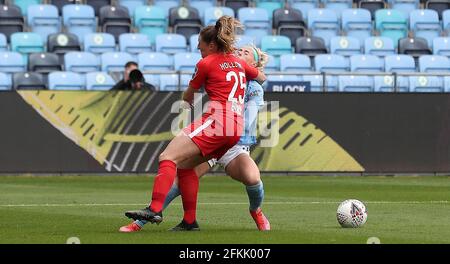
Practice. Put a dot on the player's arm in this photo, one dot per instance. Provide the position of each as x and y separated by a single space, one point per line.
253 73
197 81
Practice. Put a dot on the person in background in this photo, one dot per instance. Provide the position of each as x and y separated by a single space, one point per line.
133 79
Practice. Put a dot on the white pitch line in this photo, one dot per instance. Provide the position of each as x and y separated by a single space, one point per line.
222 203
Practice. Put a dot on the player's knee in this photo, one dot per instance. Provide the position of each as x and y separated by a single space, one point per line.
166 156
251 178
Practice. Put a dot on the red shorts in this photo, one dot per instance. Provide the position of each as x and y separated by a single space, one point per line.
214 137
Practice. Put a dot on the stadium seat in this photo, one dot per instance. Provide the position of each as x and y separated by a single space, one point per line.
12 62
185 21
446 21
345 46
81 62
99 81
366 63
330 63
166 5
289 22
115 61
310 46
3 43
236 4
269 5
389 83
434 63
24 4
99 43
372 6
11 20
323 23
98 4
276 45
28 81
272 65
282 78
44 62
134 43
153 79
171 43
44 20
243 40
405 6
5 82
317 85
186 61
131 5
61 43
154 61
391 23
27 42
357 23
447 84
193 43
114 20
380 46
425 24
256 23
79 20
201 5
65 81
150 20
352 83
295 62
438 5
304 5
337 5
441 46
399 63
60 3
427 84
169 82
413 46
211 14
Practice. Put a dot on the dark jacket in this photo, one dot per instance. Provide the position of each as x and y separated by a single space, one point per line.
126 86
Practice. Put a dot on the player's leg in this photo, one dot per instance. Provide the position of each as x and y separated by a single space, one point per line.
242 168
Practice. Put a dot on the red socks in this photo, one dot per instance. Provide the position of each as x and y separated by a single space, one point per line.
188 184
163 182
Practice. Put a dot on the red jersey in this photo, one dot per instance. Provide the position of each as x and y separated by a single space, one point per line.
224 77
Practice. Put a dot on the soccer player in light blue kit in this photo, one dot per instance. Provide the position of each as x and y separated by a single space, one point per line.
237 161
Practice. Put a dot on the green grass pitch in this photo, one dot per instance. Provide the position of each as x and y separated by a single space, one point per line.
301 209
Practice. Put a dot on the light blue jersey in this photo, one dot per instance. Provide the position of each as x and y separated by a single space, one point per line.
254 100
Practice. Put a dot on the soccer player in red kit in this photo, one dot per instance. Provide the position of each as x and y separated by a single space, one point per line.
224 77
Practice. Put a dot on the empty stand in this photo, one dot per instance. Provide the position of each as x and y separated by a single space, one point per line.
185 21
99 43
28 81
310 46
44 62
65 81
11 20
289 22
115 20
99 81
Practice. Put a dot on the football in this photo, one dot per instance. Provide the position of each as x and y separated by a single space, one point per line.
352 213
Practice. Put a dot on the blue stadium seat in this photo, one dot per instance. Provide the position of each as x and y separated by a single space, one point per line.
150 20
272 64
345 46
323 23
171 43
65 81
3 43
283 78
169 82
399 63
186 61
446 21
434 63
317 85
427 84
44 20
81 62
425 24
134 43
366 63
441 46
391 23
166 5
243 40
154 61
27 42
213 13
24 4
380 46
269 6
337 5
131 5
79 20
276 45
304 5
330 63
357 23
99 81
5 81
12 62
99 43
115 61
404 6
388 83
256 23
352 83
193 43
295 62
201 5
153 79
237 4
447 84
